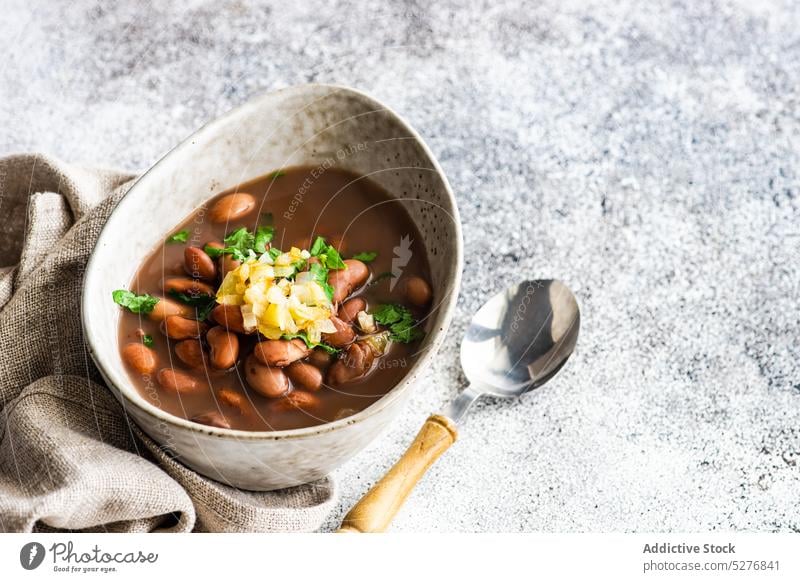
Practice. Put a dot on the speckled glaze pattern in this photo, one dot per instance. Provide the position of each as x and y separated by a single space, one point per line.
315 125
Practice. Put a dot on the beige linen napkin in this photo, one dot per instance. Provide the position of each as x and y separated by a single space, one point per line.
70 459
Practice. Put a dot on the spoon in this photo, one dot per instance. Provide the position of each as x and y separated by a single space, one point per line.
517 341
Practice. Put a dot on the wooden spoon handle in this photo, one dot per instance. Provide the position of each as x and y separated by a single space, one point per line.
375 511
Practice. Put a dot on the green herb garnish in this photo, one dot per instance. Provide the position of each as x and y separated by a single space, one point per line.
239 243
214 252
302 335
275 253
147 340
203 304
133 302
262 238
401 324
366 257
327 254
179 237
276 174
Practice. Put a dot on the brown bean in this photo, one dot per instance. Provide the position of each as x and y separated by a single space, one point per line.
166 307
319 357
176 381
355 363
229 317
227 264
139 357
191 353
224 347
187 286
280 353
295 400
233 399
343 336
350 308
304 376
180 328
212 418
231 207
417 291
198 264
268 381
345 281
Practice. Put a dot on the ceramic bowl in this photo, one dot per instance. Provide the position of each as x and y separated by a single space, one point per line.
312 125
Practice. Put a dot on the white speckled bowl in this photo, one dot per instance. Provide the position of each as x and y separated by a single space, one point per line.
304 125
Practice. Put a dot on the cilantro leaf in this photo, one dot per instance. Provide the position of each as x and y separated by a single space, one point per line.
402 326
239 243
263 236
318 247
203 304
331 259
276 174
366 257
147 340
179 237
303 336
214 252
327 254
275 253
133 302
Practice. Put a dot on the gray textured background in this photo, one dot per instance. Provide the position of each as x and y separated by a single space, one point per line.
645 153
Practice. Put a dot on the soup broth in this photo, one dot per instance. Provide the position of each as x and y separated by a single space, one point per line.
199 334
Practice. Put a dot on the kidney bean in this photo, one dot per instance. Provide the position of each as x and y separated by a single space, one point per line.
343 336
319 357
166 307
295 400
304 376
268 381
417 291
224 347
356 363
229 317
180 328
280 353
198 264
231 207
345 281
212 418
232 399
191 353
350 308
187 286
176 381
139 357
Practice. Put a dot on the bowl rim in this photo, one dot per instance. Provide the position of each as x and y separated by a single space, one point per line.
131 397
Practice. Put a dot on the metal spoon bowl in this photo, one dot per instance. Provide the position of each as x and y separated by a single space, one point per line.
517 341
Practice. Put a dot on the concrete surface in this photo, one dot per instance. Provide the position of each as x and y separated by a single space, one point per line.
645 153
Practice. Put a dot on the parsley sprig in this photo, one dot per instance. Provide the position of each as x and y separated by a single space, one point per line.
366 257
242 244
179 237
402 325
302 335
134 303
